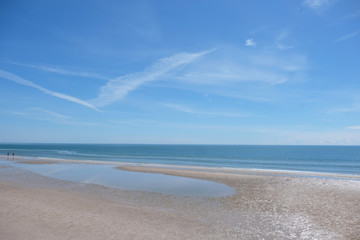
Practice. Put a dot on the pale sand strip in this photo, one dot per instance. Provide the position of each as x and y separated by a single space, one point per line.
264 207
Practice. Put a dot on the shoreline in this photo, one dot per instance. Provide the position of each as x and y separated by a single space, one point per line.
264 206
276 172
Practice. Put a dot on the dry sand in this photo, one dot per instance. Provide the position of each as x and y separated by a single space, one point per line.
264 207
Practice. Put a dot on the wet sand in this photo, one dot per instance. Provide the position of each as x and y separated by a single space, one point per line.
326 208
264 207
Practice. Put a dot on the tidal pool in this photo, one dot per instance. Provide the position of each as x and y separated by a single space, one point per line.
107 175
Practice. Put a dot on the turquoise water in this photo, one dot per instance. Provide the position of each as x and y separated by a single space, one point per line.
328 159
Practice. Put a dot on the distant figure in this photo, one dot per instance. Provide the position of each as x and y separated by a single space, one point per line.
13 155
8 154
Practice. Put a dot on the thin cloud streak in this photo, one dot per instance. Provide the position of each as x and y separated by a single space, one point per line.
19 80
120 87
54 114
355 107
63 71
346 37
182 108
71 73
50 117
354 127
245 97
351 16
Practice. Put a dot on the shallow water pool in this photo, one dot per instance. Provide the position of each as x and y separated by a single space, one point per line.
107 175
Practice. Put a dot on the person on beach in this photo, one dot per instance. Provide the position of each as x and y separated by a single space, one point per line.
13 155
8 155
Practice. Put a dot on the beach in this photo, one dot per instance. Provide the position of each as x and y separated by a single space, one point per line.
175 120
263 206
37 213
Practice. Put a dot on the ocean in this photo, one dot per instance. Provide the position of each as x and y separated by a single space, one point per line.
323 159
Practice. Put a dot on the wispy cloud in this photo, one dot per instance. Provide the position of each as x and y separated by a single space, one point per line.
186 109
41 114
119 88
279 41
353 108
51 113
246 97
316 4
242 66
62 71
250 42
291 63
19 80
354 127
221 74
347 36
352 15
178 107
72 73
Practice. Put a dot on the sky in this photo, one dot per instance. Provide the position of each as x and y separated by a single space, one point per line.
180 72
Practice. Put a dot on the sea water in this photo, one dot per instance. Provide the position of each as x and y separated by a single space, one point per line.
325 159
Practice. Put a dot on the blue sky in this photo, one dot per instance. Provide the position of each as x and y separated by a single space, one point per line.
182 72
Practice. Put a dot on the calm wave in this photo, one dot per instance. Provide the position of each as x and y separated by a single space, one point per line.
330 159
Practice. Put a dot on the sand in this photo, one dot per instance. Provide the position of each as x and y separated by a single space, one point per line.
264 207
324 208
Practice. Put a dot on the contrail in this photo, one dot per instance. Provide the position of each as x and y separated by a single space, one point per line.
118 88
17 79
